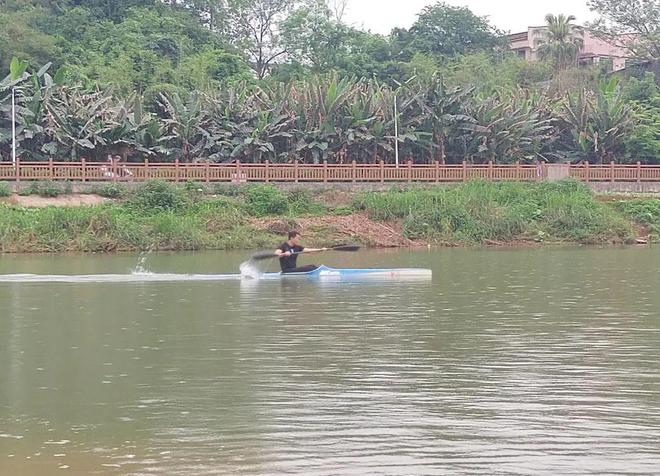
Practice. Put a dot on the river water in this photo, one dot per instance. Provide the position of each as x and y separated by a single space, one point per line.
533 361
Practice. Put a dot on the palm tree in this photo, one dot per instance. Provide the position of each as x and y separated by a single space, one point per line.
560 41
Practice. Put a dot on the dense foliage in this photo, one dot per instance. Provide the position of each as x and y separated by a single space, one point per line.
279 80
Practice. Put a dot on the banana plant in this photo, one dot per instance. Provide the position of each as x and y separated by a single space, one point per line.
598 121
86 124
32 90
447 117
186 124
510 128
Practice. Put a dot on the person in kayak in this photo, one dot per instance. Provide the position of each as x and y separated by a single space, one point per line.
288 253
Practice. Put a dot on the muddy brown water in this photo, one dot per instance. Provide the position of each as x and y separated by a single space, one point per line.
535 361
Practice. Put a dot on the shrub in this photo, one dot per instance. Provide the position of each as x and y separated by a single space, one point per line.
31 189
227 190
301 202
50 189
264 200
5 190
645 212
111 190
194 188
157 196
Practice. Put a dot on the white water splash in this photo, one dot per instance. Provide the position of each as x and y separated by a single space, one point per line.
250 270
140 267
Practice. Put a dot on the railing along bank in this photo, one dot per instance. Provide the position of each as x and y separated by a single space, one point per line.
322 173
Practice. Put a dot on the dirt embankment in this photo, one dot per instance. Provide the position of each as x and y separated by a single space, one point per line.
62 201
341 229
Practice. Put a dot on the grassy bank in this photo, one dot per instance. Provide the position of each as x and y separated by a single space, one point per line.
480 212
165 217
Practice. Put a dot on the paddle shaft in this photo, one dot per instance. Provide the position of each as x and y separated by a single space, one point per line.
349 248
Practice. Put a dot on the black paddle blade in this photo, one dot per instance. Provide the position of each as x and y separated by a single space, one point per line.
346 248
262 256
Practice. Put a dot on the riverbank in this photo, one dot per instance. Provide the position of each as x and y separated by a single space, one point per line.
160 216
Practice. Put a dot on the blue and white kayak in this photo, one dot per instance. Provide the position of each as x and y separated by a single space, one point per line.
322 273
331 274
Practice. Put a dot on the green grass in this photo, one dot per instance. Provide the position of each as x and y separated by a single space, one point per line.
157 215
110 190
478 212
213 225
5 189
645 212
163 216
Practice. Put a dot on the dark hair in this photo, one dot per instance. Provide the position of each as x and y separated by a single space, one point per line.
293 234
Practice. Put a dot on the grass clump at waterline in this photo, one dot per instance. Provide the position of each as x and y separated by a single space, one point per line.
481 212
644 212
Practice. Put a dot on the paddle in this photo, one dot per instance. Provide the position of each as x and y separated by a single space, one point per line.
268 255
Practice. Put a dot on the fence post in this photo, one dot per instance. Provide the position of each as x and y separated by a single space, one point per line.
84 170
146 169
50 168
267 169
612 171
17 171
325 171
409 171
587 171
295 170
639 171
176 170
382 171
353 171
437 171
464 171
207 175
238 171
518 178
490 170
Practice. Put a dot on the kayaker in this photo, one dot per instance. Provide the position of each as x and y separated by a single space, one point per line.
288 253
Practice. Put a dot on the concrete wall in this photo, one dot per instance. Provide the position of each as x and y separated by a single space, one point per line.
625 187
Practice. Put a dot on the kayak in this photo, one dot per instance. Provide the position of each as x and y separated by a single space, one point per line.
331 274
322 273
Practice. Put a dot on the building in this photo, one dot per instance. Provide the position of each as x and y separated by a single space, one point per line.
594 50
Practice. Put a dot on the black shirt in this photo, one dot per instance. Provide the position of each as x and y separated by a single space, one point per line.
289 262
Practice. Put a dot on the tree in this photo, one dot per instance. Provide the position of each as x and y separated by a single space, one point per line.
19 36
113 10
560 41
338 9
631 24
149 46
254 27
211 13
444 30
313 39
